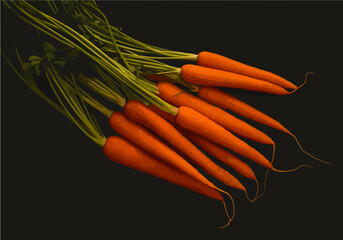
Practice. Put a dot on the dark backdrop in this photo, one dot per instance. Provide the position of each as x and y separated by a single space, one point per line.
57 184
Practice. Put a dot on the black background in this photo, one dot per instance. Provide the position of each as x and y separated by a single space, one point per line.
57 184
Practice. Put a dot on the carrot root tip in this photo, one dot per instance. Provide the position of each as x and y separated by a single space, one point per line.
305 81
301 148
291 170
225 208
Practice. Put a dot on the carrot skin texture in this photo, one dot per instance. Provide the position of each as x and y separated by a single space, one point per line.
229 102
143 138
221 154
218 78
138 112
125 153
169 117
213 60
167 92
211 148
195 122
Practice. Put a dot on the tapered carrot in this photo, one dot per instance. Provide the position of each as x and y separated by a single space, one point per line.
171 93
218 78
125 153
229 102
169 117
194 121
224 156
213 149
148 118
143 138
213 60
221 154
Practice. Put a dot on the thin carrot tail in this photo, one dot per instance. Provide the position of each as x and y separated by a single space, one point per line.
252 200
257 190
290 170
305 81
287 170
301 148
271 162
225 208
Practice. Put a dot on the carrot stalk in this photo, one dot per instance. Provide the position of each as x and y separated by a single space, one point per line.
144 115
168 92
218 78
213 60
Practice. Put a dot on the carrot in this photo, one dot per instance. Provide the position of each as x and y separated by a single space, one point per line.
224 156
213 149
143 138
169 117
194 121
125 153
213 60
144 115
218 78
221 154
170 93
229 102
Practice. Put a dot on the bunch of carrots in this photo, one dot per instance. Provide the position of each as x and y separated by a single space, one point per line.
171 116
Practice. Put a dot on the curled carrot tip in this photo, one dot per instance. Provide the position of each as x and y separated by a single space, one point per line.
225 208
301 148
291 170
251 200
305 81
257 190
271 162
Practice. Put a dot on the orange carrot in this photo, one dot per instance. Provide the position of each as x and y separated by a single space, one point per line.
221 154
224 156
213 60
169 117
144 115
213 149
218 78
229 102
170 93
216 151
195 122
143 138
125 153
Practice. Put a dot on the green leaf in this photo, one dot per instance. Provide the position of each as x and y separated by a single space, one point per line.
60 63
49 56
37 69
48 47
34 59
